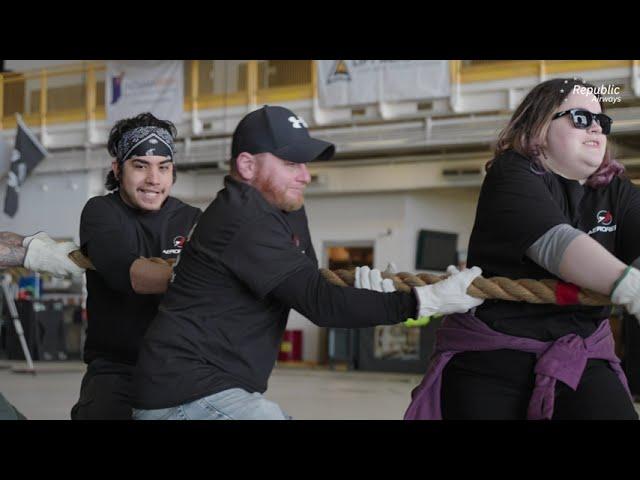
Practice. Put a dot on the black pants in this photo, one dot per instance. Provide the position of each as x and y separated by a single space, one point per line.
497 385
631 360
105 393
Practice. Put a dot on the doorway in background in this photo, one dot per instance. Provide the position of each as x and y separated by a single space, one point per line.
339 346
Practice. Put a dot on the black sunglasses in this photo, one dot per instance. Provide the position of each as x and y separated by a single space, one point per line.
583 118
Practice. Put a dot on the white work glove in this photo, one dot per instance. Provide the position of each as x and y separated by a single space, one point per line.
371 279
449 295
626 291
51 257
41 235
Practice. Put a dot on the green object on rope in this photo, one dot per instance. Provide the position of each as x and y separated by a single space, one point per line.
420 322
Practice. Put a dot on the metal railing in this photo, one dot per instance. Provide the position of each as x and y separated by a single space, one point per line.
500 84
53 95
489 70
76 93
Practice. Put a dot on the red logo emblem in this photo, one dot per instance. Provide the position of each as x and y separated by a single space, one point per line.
178 242
604 217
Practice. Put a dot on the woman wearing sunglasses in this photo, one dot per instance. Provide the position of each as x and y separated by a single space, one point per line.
553 205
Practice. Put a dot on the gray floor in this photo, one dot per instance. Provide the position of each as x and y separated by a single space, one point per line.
304 393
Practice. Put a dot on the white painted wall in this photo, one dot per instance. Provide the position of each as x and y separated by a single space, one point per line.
445 209
51 202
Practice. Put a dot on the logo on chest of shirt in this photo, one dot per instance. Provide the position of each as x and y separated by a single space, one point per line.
604 219
178 243
296 241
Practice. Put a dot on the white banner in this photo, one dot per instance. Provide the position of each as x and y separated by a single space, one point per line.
136 86
344 83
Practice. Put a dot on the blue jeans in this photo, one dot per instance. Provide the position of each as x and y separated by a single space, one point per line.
232 404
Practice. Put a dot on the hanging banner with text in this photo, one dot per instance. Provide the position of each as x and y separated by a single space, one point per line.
136 86
343 83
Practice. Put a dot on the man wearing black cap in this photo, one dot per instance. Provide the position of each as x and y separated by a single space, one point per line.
120 232
211 348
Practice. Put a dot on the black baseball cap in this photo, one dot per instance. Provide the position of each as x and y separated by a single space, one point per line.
279 131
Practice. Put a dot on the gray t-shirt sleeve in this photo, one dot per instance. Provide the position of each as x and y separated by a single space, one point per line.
549 249
636 263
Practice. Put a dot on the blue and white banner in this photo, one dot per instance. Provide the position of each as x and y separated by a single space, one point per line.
343 83
136 86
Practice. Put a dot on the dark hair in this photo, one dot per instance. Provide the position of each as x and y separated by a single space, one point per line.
145 119
531 120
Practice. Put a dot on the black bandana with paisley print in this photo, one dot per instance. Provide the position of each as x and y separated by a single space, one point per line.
146 141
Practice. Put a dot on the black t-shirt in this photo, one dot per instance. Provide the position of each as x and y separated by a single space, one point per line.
300 226
221 322
516 207
113 235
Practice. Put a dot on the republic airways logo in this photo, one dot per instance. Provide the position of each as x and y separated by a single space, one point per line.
604 219
178 243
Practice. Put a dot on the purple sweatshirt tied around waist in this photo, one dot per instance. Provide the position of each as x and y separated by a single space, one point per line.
563 359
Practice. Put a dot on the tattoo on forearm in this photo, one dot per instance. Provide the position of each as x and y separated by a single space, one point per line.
11 256
11 238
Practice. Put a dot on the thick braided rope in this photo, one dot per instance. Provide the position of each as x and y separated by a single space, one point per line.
496 288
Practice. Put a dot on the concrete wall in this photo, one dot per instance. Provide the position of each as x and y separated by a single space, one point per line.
443 209
51 202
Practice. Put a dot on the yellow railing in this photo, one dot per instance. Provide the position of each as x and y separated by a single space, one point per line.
54 95
216 84
486 70
76 93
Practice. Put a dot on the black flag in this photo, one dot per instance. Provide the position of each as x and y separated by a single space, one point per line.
26 155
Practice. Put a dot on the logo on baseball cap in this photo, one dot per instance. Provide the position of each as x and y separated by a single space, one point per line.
279 131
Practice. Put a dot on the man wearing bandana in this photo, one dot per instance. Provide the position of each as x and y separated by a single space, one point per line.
120 232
